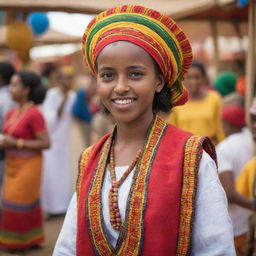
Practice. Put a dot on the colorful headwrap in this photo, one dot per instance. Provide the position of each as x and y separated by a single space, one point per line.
156 33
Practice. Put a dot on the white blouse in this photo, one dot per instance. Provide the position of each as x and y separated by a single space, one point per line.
212 233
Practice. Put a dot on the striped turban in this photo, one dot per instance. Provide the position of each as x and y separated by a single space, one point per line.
156 33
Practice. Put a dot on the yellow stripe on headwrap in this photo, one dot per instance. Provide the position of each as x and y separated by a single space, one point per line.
173 73
156 33
156 21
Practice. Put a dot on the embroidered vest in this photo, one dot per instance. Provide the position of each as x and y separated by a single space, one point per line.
161 200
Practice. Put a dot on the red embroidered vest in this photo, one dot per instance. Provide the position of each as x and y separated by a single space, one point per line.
162 198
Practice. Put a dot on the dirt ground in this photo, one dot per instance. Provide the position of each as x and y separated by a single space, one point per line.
51 228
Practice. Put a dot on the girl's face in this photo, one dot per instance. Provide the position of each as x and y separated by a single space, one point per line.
17 90
127 81
194 80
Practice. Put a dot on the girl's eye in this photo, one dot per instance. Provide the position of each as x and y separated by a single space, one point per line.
136 74
106 75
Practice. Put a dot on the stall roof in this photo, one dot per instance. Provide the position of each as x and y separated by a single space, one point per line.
49 37
174 8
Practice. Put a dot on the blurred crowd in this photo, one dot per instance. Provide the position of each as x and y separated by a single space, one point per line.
38 114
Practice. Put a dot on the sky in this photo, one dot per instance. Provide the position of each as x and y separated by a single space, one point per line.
69 23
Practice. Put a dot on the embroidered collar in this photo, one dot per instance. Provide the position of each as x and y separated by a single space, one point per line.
130 239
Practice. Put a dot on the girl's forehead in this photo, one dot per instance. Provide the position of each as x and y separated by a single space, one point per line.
123 50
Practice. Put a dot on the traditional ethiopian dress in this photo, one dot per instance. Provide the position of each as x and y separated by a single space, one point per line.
164 211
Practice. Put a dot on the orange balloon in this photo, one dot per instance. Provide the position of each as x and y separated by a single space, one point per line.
20 39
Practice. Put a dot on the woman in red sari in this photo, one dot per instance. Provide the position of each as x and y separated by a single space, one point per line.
24 138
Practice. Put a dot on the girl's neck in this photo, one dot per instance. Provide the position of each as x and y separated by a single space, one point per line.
135 132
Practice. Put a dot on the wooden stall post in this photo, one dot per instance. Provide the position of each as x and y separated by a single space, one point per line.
250 62
216 53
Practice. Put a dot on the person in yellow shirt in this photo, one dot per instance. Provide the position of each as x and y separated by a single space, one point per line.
201 114
246 185
245 181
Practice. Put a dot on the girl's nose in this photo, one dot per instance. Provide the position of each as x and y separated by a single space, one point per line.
121 86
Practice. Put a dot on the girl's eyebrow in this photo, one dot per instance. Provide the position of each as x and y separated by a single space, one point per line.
105 68
136 66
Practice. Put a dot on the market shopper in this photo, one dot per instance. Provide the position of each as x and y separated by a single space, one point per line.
24 138
201 115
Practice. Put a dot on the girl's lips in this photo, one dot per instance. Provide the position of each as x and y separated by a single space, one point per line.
123 103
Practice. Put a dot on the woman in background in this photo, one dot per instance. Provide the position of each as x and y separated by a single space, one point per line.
57 175
201 114
24 138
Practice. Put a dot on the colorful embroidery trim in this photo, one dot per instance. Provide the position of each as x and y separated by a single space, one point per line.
81 166
192 156
131 236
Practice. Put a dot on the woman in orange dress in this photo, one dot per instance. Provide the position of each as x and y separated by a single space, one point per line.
24 138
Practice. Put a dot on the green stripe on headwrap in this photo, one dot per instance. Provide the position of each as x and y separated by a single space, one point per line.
140 20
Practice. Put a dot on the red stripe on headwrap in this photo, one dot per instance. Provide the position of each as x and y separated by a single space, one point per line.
141 40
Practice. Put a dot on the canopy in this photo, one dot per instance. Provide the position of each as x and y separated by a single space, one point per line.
49 37
173 8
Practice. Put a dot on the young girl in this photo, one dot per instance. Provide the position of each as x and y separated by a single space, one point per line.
147 188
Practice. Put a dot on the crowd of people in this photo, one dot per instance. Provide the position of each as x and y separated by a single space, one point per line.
178 202
35 164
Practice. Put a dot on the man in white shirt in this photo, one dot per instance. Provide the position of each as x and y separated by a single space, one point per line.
232 155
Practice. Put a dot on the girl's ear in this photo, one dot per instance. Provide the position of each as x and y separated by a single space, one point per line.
160 82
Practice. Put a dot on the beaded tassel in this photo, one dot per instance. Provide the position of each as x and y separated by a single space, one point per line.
114 212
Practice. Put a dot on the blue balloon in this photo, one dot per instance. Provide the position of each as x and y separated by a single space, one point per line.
242 3
39 22
1 18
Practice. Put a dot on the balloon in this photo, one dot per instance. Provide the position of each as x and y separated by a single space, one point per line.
39 22
1 18
19 38
242 3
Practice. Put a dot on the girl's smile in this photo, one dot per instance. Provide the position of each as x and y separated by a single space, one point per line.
127 81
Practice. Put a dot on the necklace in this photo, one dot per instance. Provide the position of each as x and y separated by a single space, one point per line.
114 212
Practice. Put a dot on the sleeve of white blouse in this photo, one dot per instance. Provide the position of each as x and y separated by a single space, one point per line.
66 243
212 232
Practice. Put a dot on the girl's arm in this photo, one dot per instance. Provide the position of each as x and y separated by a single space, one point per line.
212 232
66 243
